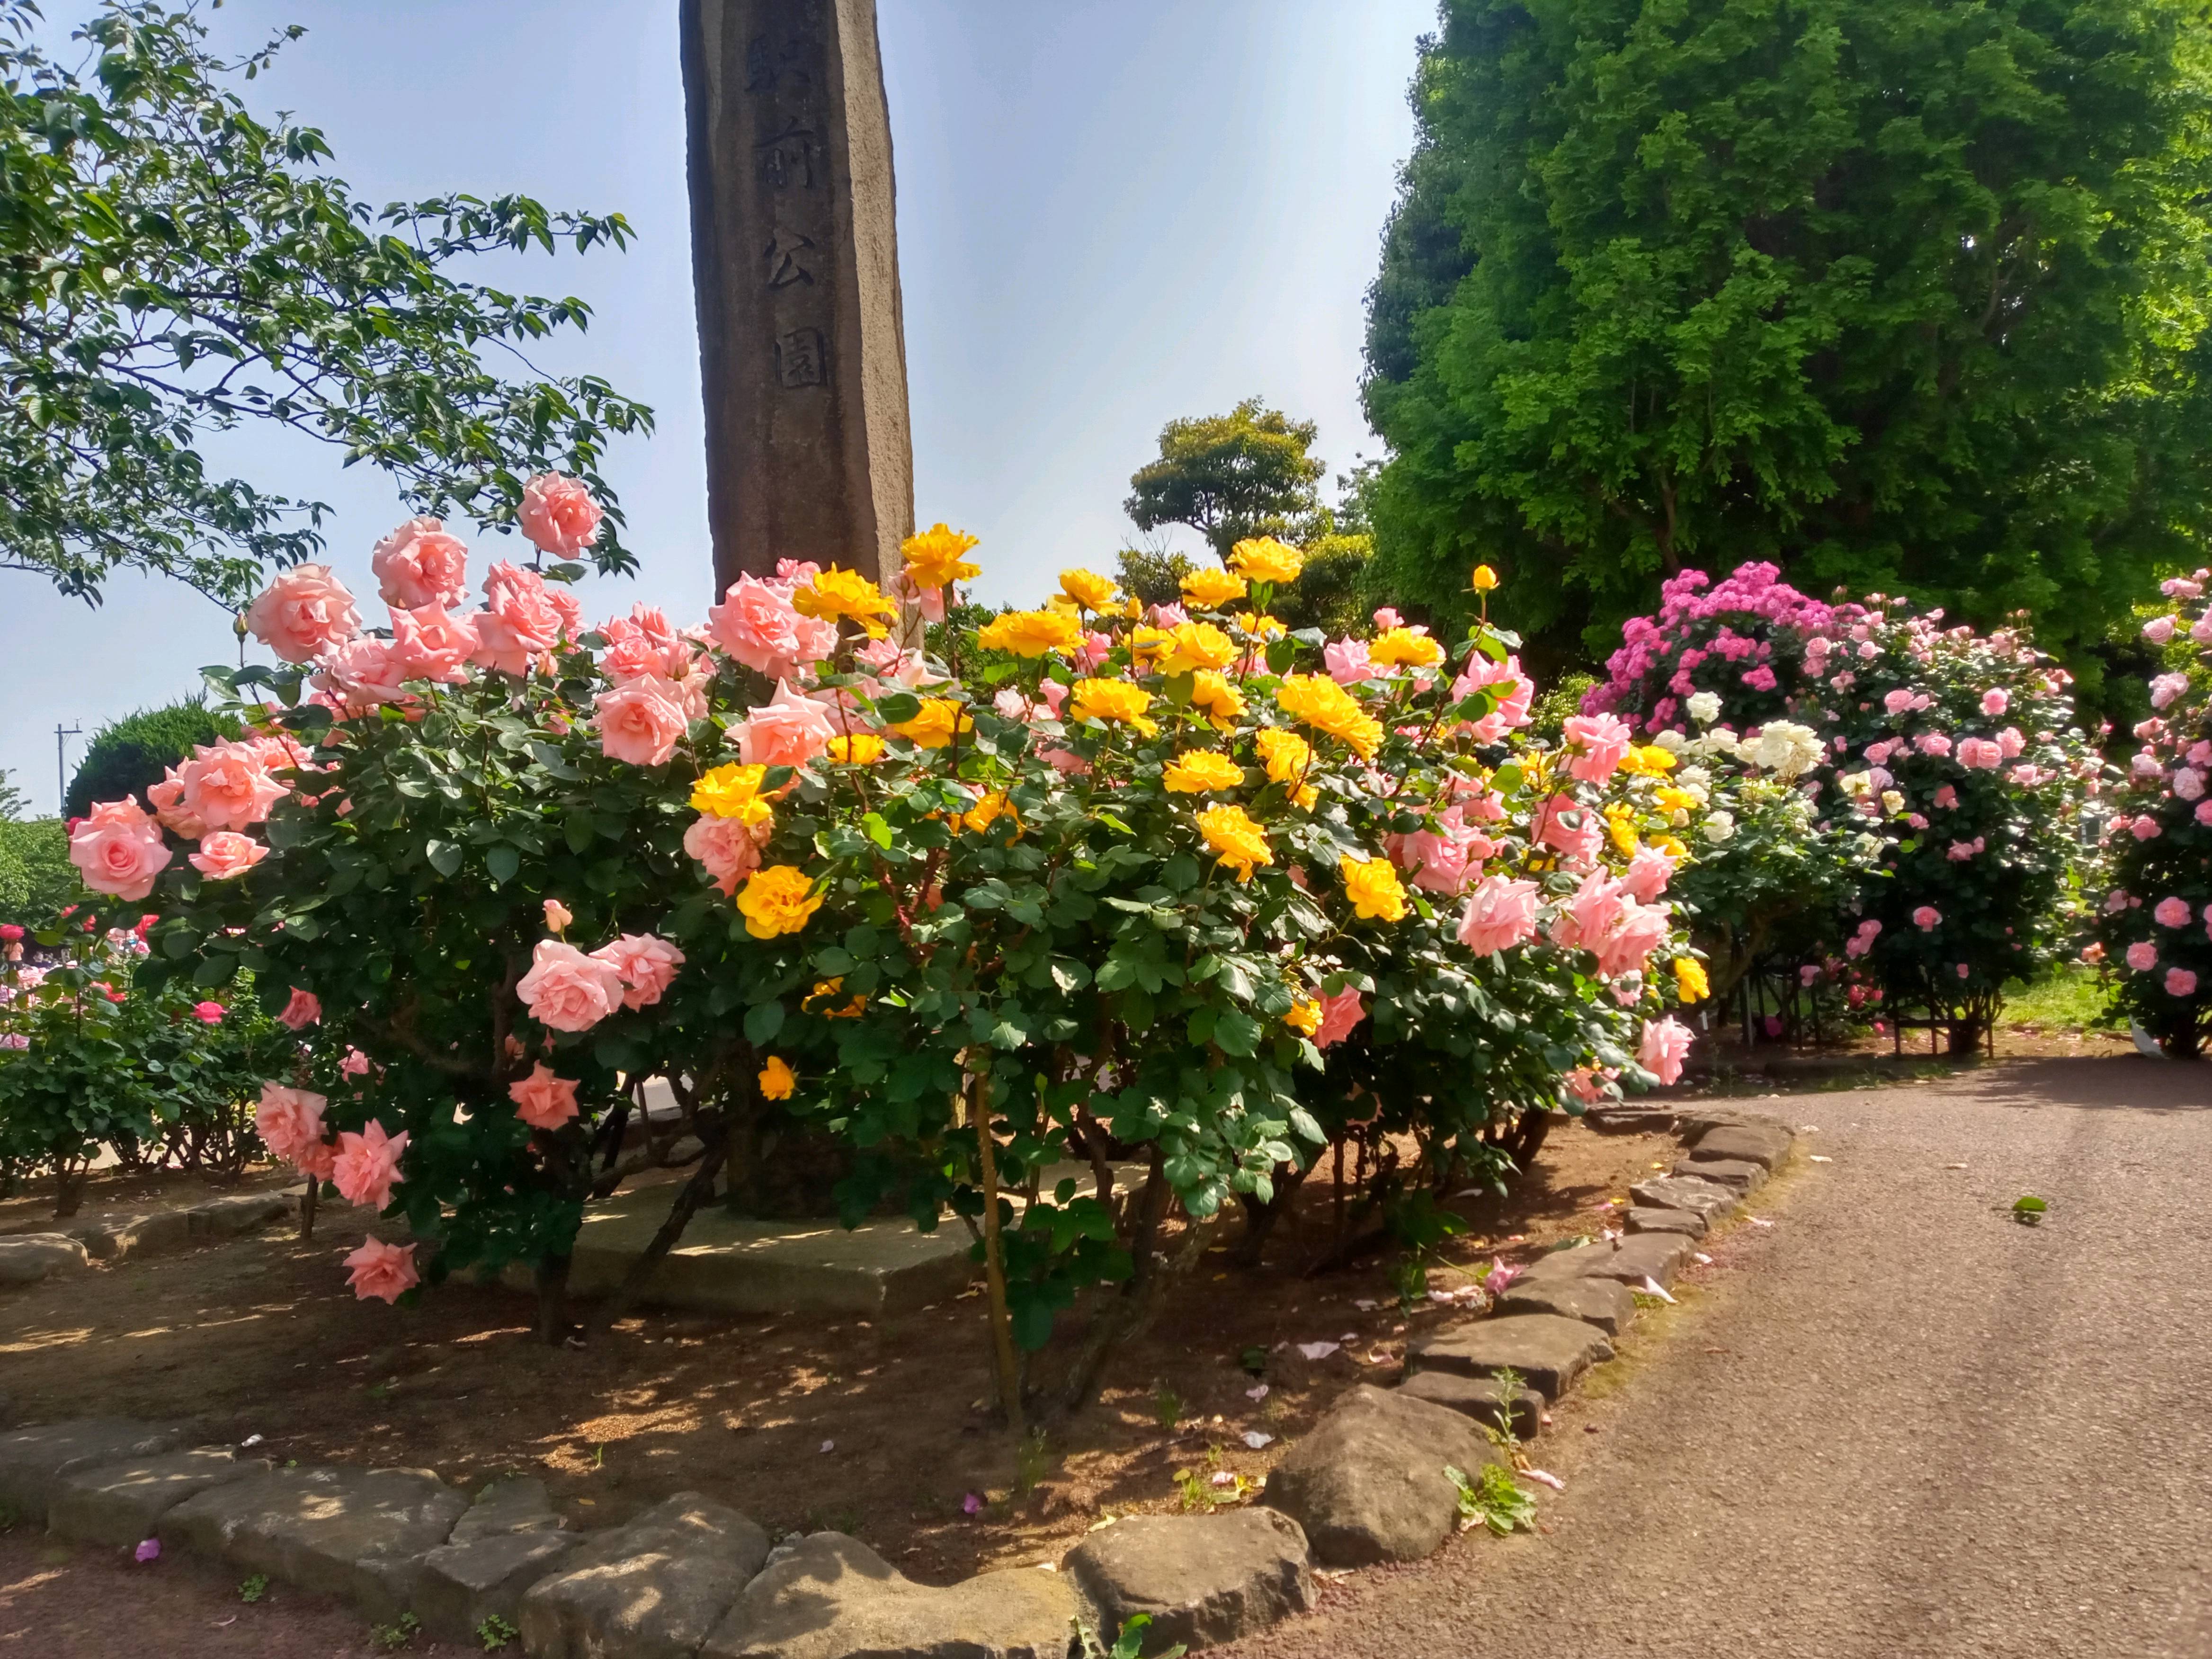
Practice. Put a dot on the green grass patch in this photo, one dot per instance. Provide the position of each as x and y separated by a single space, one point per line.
2070 997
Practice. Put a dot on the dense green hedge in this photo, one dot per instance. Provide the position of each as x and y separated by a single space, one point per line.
129 756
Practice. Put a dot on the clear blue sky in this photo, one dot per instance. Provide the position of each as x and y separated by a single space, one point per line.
1111 212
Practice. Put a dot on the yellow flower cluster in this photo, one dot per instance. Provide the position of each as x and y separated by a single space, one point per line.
862 748
1088 589
1288 757
1201 772
1328 707
1212 695
1031 633
777 900
1401 647
845 594
1620 824
1238 843
1198 645
1690 981
1374 888
1265 560
734 792
940 720
933 558
1212 588
1647 760
1114 701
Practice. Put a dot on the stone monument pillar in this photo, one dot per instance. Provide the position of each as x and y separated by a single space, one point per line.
794 250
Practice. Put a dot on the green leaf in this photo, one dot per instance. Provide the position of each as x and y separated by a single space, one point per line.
1235 1032
502 862
763 1020
444 856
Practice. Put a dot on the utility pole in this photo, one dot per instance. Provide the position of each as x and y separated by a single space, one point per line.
61 766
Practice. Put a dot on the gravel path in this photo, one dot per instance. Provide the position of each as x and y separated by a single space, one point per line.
1894 1422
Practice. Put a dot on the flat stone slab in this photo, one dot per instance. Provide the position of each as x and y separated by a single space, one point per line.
1202 1579
358 1533
654 1588
1765 1144
1368 1484
34 1460
1547 1351
117 1238
27 1258
519 1503
1485 1399
120 1503
725 1264
1658 1256
832 1597
239 1212
1605 1302
1707 1198
1738 1175
1685 1224
462 1585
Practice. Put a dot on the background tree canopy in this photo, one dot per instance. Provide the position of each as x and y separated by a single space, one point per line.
130 755
1902 294
169 267
1230 477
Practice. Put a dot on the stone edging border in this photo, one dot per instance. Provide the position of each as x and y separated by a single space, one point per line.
27 1257
693 1577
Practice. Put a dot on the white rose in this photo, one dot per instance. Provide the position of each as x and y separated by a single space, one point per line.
1720 828
1892 801
1670 740
1705 708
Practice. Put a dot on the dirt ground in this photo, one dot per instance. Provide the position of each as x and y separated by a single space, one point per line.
878 1429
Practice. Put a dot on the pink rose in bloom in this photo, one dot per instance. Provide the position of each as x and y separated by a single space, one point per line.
1347 661
1388 618
1897 701
1947 798
2166 688
757 624
567 989
1961 851
167 798
646 965
1980 754
2159 630
364 675
1570 828
304 1009
1592 913
1168 616
2187 784
207 1013
726 846
385 1272
1964 971
1517 690
1339 1014
355 1064
2010 743
1666 1045
520 621
558 514
1640 930
543 1100
1760 678
226 786
303 613
643 643
1934 744
788 730
2201 631
2146 827
1588 1086
2115 902
431 645
2170 913
640 723
1500 914
367 1164
1437 864
2180 982
1603 740
1926 918
420 564
225 855
1996 703
119 850
288 1119
2204 811
1649 872
2142 956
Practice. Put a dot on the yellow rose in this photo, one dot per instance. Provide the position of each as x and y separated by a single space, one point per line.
1087 588
1260 627
1114 701
1031 633
1326 707
1148 645
862 748
777 900
1265 560
845 594
933 558
1672 848
1306 1018
826 988
1212 588
1239 844
1689 980
1198 645
1374 888
732 792
1212 695
989 811
1671 800
1201 772
940 720
776 1079
1485 579
1396 647
1648 761
1288 757
1622 828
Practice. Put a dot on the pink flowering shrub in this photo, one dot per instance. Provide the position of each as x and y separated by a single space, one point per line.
1751 641
2153 926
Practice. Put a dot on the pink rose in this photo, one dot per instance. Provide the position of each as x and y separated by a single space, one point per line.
646 965
1897 701
1647 874
643 643
1517 691
2170 913
119 850
384 1271
420 564
2146 827
225 855
2204 812
2159 630
2142 956
788 730
557 916
364 675
1603 739
226 787
1500 914
2180 982
303 613
1637 931
543 1100
304 1009
520 621
757 624
1947 798
1338 1015
1926 918
367 1164
1569 827
726 846
355 1064
1347 661
1666 1045
1996 703
167 798
641 722
1933 744
2010 743
432 644
567 989
1437 864
207 1013
1980 754
288 1119
558 513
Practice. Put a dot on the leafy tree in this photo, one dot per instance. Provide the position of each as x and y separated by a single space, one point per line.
1898 296
1151 574
170 267
36 877
12 800
129 756
1230 477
